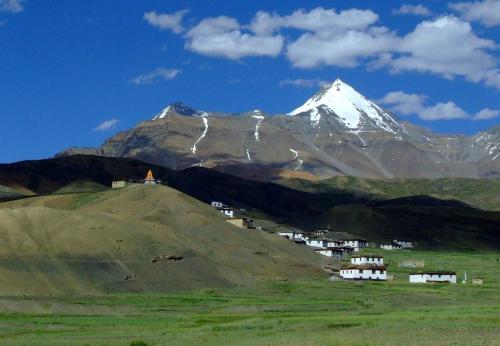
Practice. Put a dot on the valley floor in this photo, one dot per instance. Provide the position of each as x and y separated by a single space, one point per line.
311 312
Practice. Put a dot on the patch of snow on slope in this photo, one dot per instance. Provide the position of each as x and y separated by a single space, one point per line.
295 152
248 155
259 118
163 113
205 122
300 165
314 117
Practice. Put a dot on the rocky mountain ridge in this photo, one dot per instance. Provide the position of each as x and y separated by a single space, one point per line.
338 131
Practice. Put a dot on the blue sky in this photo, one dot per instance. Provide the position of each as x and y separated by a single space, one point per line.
72 73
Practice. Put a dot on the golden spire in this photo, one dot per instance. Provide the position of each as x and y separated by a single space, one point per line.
150 177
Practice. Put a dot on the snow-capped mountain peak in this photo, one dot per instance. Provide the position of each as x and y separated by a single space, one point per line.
352 109
179 108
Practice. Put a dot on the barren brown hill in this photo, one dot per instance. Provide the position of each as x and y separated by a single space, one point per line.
108 241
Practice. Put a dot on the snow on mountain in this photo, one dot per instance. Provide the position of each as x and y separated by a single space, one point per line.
353 109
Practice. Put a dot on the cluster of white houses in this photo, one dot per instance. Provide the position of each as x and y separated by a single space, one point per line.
371 267
361 267
241 222
337 249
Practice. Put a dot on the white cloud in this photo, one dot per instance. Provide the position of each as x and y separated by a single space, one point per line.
443 111
107 125
445 46
165 21
155 76
316 20
222 37
417 10
11 6
302 83
448 47
344 49
487 113
409 104
402 103
486 12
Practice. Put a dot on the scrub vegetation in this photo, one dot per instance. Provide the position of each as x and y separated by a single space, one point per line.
286 312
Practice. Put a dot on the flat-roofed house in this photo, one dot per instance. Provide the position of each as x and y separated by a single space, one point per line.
405 244
118 184
364 272
242 222
315 242
436 276
334 243
355 243
373 260
330 252
227 211
391 246
365 267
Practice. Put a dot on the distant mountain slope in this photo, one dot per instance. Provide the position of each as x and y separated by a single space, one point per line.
105 242
7 192
451 223
336 132
80 186
481 193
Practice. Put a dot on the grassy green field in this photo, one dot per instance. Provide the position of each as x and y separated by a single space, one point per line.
480 193
311 312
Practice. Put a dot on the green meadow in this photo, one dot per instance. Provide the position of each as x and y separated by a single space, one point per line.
310 312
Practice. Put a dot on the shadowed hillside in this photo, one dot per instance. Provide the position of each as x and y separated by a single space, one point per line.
431 221
481 193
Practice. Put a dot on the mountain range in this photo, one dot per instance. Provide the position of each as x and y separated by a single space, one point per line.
336 132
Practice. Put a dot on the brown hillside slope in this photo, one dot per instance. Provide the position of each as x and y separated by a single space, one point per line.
90 243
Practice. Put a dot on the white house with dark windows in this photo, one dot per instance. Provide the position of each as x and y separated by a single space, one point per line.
334 243
227 211
437 276
365 267
330 252
217 204
364 272
293 236
356 243
223 208
287 235
405 244
373 260
315 242
391 246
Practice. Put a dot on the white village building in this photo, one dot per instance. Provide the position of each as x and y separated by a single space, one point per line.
405 244
364 273
334 243
437 276
293 236
365 267
330 252
356 243
373 260
227 211
391 246
217 204
315 242
223 208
